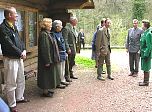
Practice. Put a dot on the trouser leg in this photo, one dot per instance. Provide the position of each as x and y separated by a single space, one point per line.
71 58
20 81
131 62
11 69
62 71
137 58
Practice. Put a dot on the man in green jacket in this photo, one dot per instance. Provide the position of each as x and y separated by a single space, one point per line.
70 36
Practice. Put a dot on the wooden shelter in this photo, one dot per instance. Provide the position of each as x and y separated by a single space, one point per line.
30 13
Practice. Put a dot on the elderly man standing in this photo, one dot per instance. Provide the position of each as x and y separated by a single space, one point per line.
103 50
70 36
14 52
133 46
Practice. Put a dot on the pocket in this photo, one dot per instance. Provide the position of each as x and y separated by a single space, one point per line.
103 51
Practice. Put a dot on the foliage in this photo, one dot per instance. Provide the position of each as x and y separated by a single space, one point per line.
138 9
85 62
121 12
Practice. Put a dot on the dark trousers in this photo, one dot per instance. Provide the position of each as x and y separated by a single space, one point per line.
67 73
134 62
71 58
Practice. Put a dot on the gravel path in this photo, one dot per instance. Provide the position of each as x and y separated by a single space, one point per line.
87 94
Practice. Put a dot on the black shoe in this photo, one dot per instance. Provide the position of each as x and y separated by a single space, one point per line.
61 86
143 83
47 94
49 91
111 78
68 80
72 77
65 83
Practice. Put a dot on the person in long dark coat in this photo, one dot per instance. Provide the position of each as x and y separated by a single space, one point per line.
48 57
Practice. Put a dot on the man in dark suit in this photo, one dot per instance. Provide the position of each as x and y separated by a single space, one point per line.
70 36
81 36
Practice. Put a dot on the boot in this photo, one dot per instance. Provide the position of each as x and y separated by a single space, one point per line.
146 80
99 72
109 72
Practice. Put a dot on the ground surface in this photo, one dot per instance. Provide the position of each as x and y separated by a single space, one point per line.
87 94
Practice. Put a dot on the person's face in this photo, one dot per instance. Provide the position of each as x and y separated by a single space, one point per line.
13 15
135 24
74 22
108 23
59 27
143 26
49 26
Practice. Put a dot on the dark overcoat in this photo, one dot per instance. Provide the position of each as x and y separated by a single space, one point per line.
47 77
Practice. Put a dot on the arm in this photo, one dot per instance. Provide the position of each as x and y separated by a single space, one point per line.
65 36
148 49
44 48
127 42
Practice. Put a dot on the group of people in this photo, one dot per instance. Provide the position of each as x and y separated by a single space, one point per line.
57 51
101 49
56 57
138 45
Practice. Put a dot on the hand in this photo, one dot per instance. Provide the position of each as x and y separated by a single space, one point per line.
146 59
47 65
23 55
127 50
69 51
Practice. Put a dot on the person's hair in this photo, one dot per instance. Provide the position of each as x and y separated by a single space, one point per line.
135 20
146 23
55 24
7 11
73 18
45 22
107 20
102 21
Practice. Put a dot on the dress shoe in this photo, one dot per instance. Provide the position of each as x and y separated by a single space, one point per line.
110 77
68 80
47 94
61 86
131 74
135 75
65 83
143 83
13 109
49 91
73 77
23 101
100 78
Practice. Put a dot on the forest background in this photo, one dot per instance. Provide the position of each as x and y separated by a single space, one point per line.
121 12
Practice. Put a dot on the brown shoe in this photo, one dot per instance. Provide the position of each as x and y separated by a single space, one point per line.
13 109
131 74
135 75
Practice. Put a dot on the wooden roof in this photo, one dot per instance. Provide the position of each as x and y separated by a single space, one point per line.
63 4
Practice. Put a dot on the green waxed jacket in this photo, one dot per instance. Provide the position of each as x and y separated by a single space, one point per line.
146 50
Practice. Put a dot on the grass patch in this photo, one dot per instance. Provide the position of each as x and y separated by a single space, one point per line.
85 62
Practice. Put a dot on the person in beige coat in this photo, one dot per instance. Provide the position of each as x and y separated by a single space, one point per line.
103 50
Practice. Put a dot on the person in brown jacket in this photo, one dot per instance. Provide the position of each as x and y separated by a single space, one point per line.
103 50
